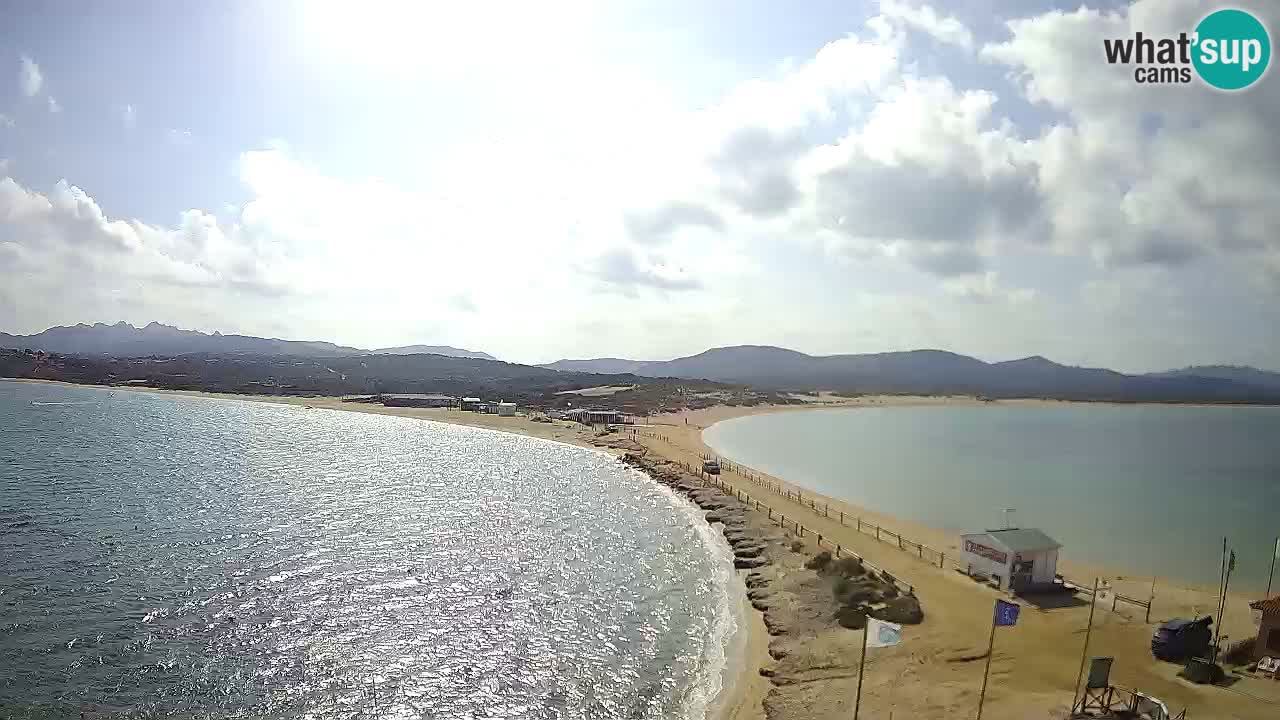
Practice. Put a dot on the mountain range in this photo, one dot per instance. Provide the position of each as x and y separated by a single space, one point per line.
125 340
942 372
931 372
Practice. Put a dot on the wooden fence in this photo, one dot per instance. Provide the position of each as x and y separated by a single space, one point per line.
932 556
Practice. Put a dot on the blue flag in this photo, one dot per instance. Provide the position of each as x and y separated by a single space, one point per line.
1006 613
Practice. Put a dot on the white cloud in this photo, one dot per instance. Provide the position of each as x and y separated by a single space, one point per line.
128 117
54 107
924 18
30 80
6 121
851 169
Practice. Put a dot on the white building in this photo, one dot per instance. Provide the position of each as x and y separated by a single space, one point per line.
1021 558
507 409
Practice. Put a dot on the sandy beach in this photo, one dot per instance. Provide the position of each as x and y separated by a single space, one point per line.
937 670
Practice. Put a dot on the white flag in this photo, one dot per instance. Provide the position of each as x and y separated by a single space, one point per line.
882 634
1278 548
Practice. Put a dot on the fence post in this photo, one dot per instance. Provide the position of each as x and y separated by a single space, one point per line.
819 539
859 524
942 560
1115 596
877 532
899 542
842 517
921 547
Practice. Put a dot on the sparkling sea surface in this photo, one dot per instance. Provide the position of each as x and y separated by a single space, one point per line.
166 556
1141 488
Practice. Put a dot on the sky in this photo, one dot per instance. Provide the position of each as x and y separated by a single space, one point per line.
640 178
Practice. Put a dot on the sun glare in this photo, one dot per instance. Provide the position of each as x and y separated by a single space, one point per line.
403 36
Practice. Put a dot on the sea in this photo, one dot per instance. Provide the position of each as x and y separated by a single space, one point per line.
173 556
1146 489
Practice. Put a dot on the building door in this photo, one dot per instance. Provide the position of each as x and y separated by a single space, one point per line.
1273 640
1022 572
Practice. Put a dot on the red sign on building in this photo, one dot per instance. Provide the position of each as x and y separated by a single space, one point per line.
986 552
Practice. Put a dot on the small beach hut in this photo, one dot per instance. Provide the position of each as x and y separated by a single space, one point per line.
469 403
506 409
1019 558
1268 627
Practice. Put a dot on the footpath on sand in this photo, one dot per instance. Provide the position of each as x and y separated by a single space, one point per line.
937 670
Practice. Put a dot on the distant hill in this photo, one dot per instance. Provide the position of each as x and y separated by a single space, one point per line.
938 372
1236 373
445 350
125 340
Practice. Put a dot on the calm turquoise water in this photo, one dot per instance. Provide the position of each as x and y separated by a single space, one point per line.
164 556
1146 488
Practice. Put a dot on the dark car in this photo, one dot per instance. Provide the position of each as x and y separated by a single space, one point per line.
1179 639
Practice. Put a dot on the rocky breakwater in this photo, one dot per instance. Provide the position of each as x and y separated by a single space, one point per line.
813 605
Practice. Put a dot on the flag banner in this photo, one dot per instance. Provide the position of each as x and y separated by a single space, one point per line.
1007 613
882 634
1231 566
1277 555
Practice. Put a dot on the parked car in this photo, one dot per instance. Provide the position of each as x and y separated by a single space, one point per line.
1180 639
711 467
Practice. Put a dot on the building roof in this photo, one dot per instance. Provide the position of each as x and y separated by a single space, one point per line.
1022 539
470 399
1270 605
417 396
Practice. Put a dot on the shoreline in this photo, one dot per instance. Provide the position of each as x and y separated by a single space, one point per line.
932 673
742 685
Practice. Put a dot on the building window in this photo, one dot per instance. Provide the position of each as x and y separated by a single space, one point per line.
1273 640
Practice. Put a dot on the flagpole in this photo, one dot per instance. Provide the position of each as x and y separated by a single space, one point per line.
1222 597
1084 652
1274 554
1226 584
991 644
857 701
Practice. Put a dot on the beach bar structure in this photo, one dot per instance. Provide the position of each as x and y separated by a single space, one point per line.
418 400
1268 627
506 409
470 403
1019 558
596 417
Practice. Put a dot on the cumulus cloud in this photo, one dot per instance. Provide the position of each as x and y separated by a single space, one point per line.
648 226
1143 175
54 105
859 154
623 270
944 29
30 79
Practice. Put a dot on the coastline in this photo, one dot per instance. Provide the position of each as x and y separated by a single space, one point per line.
933 672
1042 667
743 686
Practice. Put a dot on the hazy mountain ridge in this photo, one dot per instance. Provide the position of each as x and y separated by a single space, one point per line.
446 350
943 372
929 371
124 340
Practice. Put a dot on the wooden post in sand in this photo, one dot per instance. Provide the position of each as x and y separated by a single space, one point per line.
857 699
1093 603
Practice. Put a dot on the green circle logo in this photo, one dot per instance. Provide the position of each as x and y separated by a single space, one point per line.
1232 49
